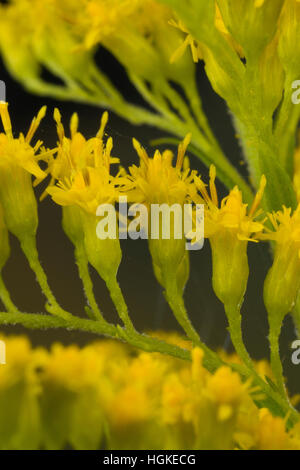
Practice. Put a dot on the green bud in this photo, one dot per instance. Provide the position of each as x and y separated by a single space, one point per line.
104 255
168 253
282 283
18 201
182 273
72 224
230 268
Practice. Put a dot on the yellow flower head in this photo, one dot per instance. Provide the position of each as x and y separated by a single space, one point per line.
286 225
18 161
82 168
226 387
72 368
156 180
18 152
77 153
87 189
231 215
229 226
271 432
282 283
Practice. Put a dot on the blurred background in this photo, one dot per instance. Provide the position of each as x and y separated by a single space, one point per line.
144 296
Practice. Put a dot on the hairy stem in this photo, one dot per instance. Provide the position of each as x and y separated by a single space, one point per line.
275 358
5 297
83 269
235 329
120 304
30 250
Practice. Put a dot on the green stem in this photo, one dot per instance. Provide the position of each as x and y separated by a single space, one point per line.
177 306
29 248
276 364
120 304
83 269
5 297
235 329
211 362
144 342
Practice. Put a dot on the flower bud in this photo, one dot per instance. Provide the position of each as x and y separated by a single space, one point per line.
19 202
103 254
18 162
170 257
282 284
230 268
71 223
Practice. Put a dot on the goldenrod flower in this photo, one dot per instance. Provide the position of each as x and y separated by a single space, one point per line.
20 389
69 396
225 387
157 180
82 168
85 181
283 280
18 162
87 189
229 227
18 152
282 283
75 154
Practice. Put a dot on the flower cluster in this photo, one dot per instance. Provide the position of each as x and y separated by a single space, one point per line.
242 43
82 178
86 399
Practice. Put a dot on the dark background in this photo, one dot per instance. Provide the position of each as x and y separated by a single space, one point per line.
146 303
